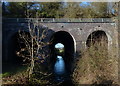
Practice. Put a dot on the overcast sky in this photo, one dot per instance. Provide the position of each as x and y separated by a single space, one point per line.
59 45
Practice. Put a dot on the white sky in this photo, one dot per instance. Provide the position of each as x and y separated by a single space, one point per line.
59 45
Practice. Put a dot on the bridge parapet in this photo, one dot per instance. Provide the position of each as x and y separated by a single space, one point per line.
59 20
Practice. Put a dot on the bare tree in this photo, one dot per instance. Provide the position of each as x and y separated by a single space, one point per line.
33 43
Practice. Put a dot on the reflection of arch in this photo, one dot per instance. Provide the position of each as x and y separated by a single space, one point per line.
69 44
14 45
97 36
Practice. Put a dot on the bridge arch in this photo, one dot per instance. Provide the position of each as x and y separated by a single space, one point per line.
15 45
69 43
105 32
97 36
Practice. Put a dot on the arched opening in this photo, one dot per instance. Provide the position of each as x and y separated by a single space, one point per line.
97 37
66 52
17 48
16 45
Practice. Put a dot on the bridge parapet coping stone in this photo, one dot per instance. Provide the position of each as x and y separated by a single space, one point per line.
58 20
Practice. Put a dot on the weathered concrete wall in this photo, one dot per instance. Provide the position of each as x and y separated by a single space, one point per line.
79 29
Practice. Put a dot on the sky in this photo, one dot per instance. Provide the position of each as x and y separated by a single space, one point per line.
85 4
59 45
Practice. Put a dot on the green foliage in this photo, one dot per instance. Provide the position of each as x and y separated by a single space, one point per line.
58 10
46 10
72 10
59 51
50 9
16 9
5 74
100 9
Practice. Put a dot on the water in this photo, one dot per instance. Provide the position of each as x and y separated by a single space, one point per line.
59 69
61 74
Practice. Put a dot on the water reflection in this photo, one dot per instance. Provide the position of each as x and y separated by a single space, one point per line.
59 68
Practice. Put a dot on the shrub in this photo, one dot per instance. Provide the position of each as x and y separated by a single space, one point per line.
96 66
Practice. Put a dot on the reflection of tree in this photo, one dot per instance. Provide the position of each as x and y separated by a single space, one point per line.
59 51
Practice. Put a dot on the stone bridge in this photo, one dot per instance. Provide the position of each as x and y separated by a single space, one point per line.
75 34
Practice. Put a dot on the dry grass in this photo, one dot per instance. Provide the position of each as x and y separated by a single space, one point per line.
39 77
18 78
96 66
